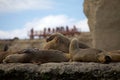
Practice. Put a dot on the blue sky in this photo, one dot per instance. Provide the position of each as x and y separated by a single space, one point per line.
17 17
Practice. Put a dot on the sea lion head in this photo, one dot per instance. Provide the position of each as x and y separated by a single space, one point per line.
57 42
104 58
14 58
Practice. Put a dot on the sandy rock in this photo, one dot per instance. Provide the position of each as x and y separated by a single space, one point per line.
104 22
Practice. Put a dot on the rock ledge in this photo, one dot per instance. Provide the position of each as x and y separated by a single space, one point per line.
60 71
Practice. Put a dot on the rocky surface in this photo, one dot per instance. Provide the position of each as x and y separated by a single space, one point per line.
60 71
104 22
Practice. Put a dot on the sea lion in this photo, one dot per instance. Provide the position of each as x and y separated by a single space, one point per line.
86 55
3 55
17 58
114 55
58 41
39 56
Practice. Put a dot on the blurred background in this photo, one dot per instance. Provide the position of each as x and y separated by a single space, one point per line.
18 17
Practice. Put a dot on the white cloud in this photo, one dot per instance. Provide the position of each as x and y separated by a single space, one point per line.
83 25
21 33
49 21
20 5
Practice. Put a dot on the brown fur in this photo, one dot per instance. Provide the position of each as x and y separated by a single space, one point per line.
114 55
3 54
86 55
58 41
41 56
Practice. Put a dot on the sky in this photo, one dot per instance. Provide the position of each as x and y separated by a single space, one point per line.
17 17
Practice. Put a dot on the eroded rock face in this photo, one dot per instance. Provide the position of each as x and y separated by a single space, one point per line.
60 71
104 22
